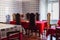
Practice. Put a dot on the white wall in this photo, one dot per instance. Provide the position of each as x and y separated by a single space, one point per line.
9 7
43 6
16 6
59 9
31 6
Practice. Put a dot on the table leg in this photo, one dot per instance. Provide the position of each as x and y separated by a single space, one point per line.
50 37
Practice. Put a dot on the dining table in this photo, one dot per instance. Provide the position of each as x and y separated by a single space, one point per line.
52 32
41 25
4 28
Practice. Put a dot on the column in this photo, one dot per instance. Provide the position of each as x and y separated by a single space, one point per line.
59 9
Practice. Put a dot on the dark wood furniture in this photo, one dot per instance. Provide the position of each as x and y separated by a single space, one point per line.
17 16
57 33
9 34
28 16
37 16
32 24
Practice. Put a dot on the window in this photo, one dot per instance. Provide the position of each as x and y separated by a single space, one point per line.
53 8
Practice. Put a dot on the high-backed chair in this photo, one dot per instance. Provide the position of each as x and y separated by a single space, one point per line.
32 25
37 16
32 21
48 19
27 16
14 18
18 19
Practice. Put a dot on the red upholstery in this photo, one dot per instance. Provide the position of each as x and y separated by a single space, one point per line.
58 22
51 31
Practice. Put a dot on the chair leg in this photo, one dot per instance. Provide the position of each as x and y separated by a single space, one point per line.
50 37
26 31
39 33
7 36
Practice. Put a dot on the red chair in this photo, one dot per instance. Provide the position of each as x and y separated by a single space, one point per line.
58 23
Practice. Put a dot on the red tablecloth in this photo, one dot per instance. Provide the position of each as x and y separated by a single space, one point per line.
40 24
12 22
51 31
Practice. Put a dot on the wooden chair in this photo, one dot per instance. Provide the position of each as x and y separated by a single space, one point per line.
37 16
9 35
48 20
27 16
32 25
17 16
14 18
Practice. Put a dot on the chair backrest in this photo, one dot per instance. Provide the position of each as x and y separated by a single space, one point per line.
57 33
32 19
32 22
9 35
18 19
48 20
14 17
27 16
37 16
